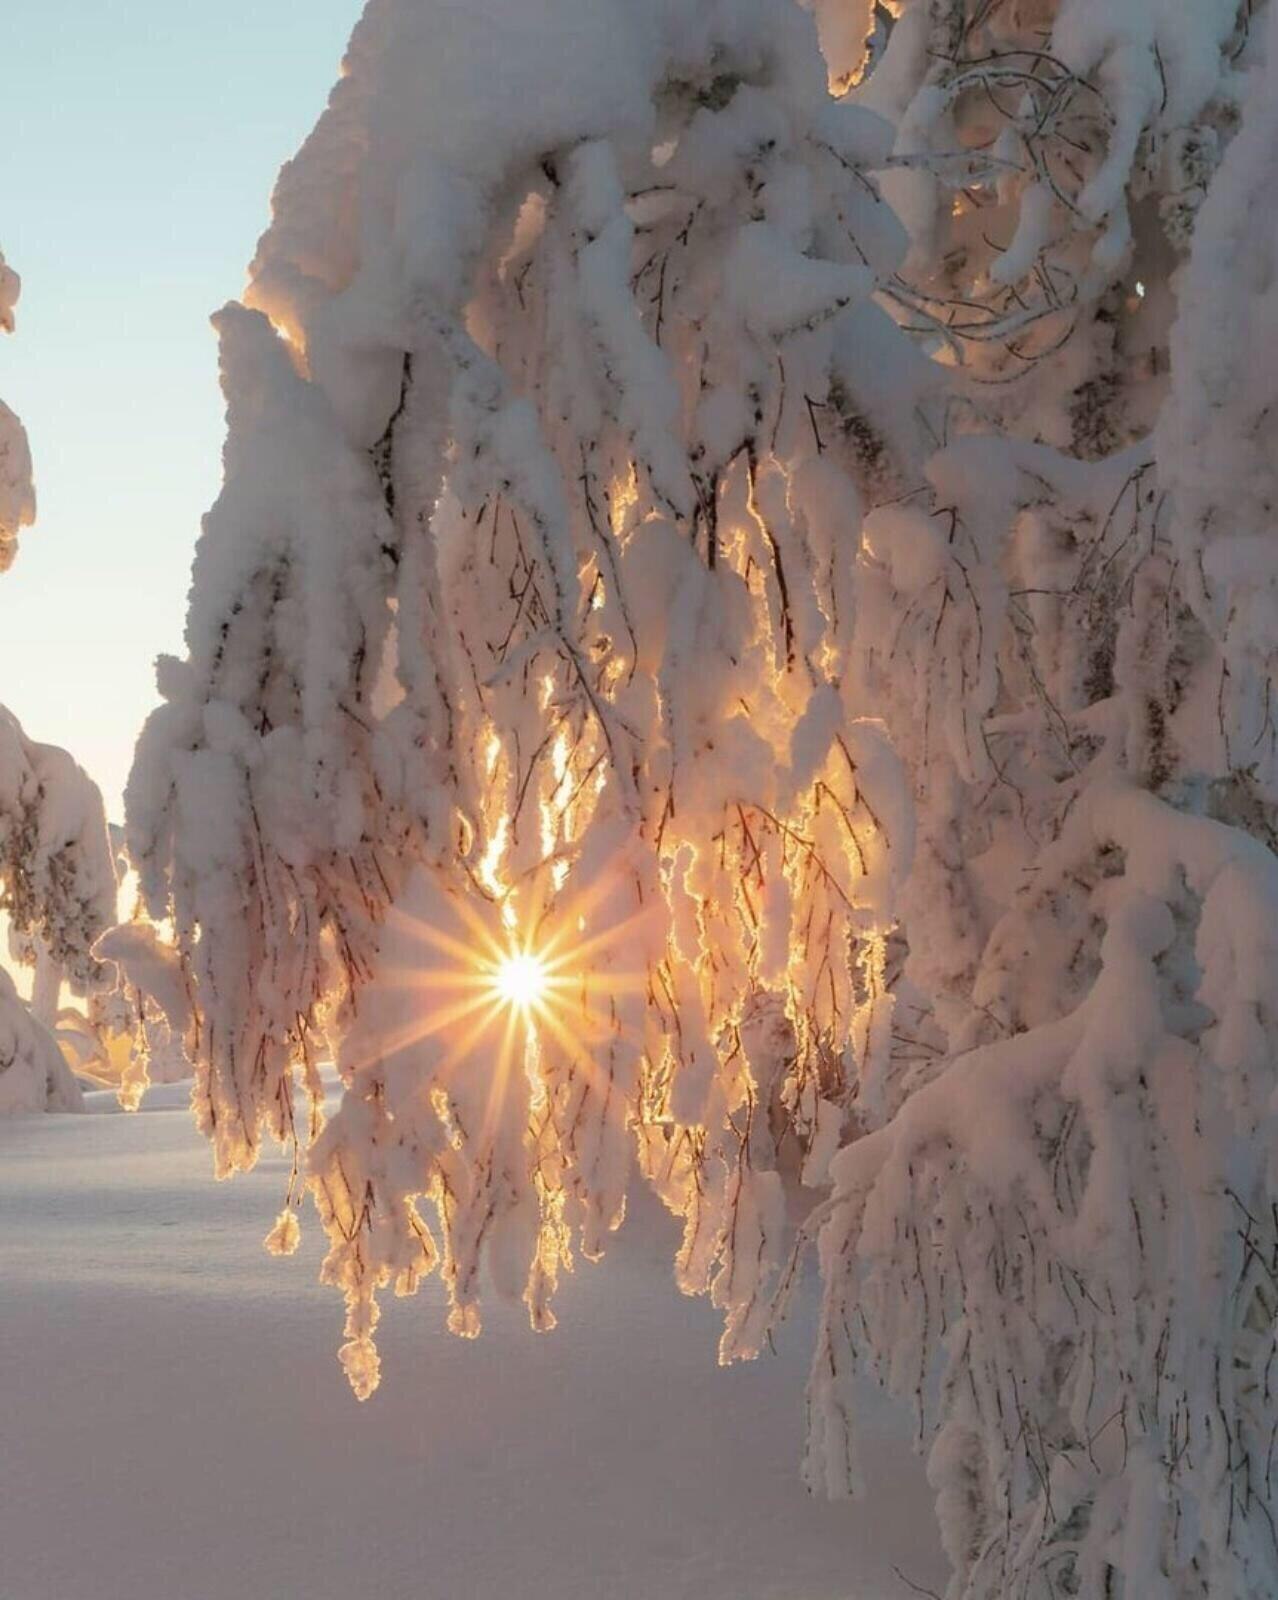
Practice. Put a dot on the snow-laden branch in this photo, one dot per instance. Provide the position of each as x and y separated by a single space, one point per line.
1049 159
521 620
1080 1219
1216 446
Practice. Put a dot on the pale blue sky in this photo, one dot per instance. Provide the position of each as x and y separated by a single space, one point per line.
139 142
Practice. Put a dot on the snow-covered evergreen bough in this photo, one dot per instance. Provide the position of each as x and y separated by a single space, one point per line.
57 876
726 551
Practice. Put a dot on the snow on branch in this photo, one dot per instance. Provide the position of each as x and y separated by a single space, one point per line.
1216 447
518 629
1047 159
1079 1220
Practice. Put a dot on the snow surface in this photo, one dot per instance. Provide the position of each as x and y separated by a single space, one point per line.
176 1428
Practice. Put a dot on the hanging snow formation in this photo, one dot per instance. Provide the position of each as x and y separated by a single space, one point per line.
705 536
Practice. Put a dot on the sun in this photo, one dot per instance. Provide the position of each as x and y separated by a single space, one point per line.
521 980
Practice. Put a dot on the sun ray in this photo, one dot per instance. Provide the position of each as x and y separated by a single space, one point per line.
446 943
450 978
501 1075
567 916
572 1046
464 1046
416 1031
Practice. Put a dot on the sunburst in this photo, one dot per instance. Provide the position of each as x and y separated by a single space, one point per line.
521 981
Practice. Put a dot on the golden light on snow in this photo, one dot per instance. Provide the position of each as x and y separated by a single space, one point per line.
521 980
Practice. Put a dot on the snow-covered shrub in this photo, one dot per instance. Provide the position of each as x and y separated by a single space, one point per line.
34 1075
57 877
647 553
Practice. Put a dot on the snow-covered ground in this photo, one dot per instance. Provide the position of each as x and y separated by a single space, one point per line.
174 1426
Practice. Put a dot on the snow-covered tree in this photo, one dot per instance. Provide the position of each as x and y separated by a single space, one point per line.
17 495
722 645
57 876
1071 1208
